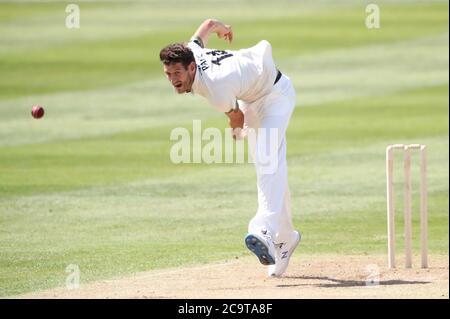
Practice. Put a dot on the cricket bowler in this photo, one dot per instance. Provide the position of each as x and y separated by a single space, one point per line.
247 86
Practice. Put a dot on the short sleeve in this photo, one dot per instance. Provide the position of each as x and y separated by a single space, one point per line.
198 41
195 45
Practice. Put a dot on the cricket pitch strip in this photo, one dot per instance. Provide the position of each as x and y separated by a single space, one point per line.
308 277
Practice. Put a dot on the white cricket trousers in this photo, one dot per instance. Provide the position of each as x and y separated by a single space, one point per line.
270 115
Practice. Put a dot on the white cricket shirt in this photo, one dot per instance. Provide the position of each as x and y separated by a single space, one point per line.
224 76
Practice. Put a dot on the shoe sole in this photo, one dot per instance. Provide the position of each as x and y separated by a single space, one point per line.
260 249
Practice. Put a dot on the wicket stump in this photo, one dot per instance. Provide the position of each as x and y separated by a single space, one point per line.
407 204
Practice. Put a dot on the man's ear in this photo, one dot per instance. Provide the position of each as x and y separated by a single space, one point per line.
192 66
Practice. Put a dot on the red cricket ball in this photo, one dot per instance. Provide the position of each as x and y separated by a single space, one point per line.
37 111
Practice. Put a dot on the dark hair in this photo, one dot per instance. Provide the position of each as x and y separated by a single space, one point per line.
177 52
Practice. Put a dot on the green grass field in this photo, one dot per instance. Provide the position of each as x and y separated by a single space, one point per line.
92 184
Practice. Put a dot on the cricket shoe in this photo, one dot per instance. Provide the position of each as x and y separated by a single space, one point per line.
262 246
283 254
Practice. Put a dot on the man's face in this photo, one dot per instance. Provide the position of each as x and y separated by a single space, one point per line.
180 77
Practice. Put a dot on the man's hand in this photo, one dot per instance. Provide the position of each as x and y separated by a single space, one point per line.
209 26
224 31
236 119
